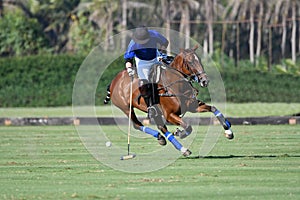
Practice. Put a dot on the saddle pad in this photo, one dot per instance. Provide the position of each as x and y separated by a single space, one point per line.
155 73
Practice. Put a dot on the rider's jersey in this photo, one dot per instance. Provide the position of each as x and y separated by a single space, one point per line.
146 51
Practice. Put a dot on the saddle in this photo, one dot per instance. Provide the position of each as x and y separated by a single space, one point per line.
155 73
154 78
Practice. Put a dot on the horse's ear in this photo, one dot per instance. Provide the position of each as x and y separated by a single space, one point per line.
195 47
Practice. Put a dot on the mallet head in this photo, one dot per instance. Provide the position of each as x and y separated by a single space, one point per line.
127 157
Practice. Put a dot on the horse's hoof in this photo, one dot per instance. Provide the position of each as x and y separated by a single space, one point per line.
187 153
229 134
180 133
161 140
177 132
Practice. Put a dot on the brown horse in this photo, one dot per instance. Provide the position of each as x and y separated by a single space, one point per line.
176 97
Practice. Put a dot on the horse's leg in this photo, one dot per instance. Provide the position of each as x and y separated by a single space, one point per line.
187 129
158 118
139 126
202 107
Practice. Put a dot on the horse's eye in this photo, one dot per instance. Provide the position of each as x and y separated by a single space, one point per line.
188 58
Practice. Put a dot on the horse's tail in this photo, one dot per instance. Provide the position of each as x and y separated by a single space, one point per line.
107 98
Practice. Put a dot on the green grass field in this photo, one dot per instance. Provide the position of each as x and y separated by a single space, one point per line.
231 110
50 162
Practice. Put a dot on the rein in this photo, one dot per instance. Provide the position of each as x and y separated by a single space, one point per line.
187 77
183 79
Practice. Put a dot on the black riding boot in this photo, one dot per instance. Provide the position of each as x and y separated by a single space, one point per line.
147 93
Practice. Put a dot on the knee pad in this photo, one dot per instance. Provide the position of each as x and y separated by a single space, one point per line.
143 82
144 88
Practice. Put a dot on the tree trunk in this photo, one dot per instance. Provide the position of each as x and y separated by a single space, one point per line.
270 50
184 24
165 4
298 38
168 26
293 38
224 29
259 29
237 45
124 23
181 25
251 37
232 41
187 26
283 39
109 27
209 19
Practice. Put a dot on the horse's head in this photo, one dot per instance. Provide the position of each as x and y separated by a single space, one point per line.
190 65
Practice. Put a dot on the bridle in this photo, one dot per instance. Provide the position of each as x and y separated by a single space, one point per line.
192 74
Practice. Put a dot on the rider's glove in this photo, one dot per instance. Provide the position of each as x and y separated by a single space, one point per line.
130 71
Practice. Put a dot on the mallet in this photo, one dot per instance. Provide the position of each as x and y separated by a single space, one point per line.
129 156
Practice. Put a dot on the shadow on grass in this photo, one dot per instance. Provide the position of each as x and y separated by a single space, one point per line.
243 156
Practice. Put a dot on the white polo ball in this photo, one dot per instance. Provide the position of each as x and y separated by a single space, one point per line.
108 144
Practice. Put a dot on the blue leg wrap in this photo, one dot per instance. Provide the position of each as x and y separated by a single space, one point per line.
173 140
218 114
226 124
149 131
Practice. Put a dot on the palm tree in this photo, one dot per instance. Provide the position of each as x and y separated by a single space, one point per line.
52 17
294 27
234 12
251 5
209 19
184 22
284 12
103 15
183 9
124 22
165 4
259 28
249 13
